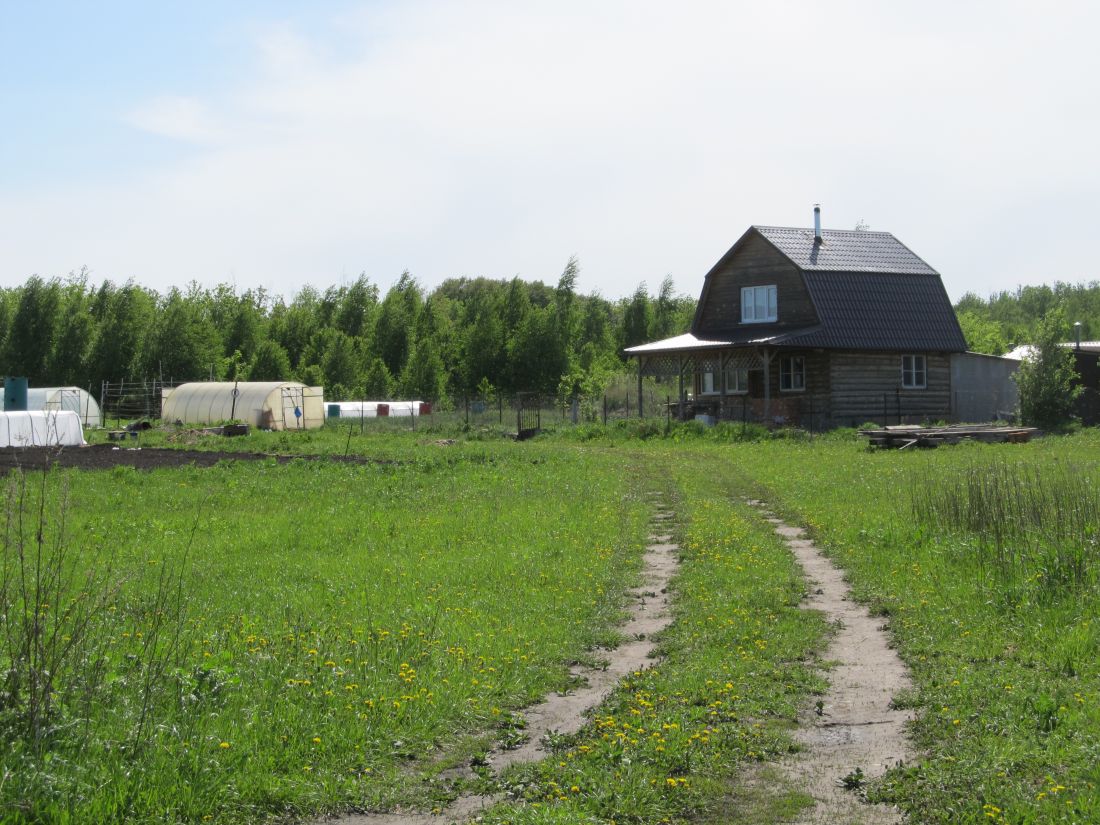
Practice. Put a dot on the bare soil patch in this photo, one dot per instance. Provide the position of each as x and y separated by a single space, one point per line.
855 734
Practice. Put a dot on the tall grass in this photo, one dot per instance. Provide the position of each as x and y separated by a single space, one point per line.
326 627
1028 522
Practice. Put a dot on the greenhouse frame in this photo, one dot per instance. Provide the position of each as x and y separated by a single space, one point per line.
66 398
268 405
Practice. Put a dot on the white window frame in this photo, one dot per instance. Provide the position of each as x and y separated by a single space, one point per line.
792 373
703 381
914 367
737 380
759 304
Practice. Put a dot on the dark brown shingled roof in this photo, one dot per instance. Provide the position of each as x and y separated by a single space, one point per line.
872 310
845 251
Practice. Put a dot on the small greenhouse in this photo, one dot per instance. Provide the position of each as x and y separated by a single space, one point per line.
269 405
41 428
66 398
376 409
357 409
400 409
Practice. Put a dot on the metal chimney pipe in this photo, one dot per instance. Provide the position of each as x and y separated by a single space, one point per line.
1077 330
817 223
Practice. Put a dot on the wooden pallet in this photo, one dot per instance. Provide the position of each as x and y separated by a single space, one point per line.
905 436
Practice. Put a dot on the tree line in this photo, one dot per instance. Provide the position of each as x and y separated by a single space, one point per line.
466 336
1006 319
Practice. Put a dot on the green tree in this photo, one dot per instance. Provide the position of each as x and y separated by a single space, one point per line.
339 364
637 318
424 376
1046 377
358 304
183 342
485 352
393 331
33 331
118 350
982 335
68 362
292 326
377 382
664 312
270 363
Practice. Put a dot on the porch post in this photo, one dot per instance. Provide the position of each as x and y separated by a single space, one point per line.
680 361
641 360
723 360
767 359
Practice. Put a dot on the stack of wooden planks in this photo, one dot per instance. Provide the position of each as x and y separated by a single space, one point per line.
904 436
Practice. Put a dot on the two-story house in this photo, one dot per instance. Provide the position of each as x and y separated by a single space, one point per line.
819 327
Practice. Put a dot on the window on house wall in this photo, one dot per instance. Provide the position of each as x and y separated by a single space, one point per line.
737 380
914 372
792 373
707 385
758 304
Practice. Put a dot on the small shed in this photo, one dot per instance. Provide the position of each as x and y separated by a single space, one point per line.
269 405
41 428
983 387
66 398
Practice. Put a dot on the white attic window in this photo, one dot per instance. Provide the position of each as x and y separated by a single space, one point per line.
759 304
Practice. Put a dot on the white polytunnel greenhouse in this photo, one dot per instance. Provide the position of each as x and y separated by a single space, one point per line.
66 398
269 405
41 428
376 409
357 409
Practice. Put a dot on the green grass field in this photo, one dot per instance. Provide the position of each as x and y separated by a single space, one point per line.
257 641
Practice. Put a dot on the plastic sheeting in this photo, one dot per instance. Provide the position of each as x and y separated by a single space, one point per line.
399 409
376 409
269 405
356 409
41 428
66 398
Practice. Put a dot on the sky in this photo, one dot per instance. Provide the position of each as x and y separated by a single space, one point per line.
268 143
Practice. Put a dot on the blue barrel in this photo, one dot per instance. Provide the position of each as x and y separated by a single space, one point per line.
15 395
333 410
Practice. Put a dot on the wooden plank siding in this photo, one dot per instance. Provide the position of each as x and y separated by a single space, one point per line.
866 386
796 406
755 263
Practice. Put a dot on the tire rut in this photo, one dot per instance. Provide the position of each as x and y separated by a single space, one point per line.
649 613
855 734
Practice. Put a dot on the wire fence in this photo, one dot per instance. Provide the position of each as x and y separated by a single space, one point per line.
522 413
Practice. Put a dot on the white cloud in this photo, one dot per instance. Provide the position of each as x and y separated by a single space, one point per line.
499 138
179 118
